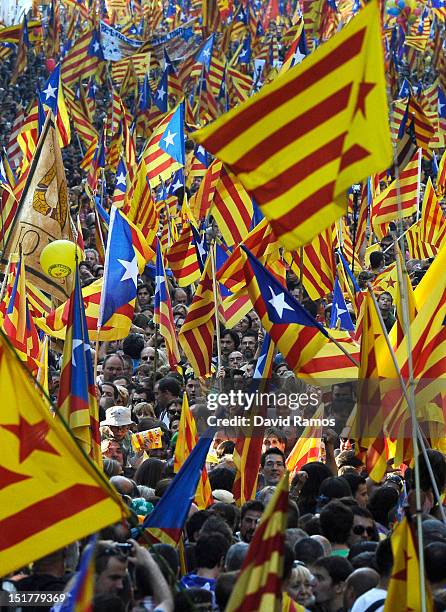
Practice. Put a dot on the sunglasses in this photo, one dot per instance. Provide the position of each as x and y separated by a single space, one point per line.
359 530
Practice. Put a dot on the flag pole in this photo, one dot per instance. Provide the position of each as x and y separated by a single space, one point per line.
155 355
406 326
421 440
216 302
344 350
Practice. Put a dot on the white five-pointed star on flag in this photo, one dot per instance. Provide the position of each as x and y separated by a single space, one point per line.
131 270
161 93
76 344
278 302
169 139
50 92
120 179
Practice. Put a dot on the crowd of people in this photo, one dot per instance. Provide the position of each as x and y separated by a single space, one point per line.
337 555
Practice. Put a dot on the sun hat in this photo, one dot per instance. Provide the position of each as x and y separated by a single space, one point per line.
117 416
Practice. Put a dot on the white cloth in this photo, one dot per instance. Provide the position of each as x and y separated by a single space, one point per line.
368 598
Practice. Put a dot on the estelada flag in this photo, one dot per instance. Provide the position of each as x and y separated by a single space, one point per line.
50 493
42 215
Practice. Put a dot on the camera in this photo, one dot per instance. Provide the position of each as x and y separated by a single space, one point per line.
125 548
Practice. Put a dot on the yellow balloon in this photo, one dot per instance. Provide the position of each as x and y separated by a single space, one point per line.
58 258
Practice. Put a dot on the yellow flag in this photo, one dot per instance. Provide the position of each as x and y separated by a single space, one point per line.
50 493
42 215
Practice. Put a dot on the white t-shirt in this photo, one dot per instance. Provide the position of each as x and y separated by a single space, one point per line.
368 598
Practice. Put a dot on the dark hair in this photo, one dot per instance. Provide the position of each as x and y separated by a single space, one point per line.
338 568
149 473
317 472
168 383
108 602
348 457
143 286
308 550
222 478
275 431
354 480
361 547
185 600
364 559
249 333
224 587
252 504
211 550
336 522
103 552
272 451
195 522
167 559
228 512
376 259
133 345
234 335
384 558
381 502
333 487
215 524
438 464
162 486
288 561
114 387
435 555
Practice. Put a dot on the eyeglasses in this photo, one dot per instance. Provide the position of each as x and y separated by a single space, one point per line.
360 529
271 464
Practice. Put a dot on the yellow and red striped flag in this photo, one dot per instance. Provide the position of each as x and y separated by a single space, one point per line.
50 492
441 176
433 223
201 202
259 585
77 401
160 165
162 314
18 323
231 208
79 63
186 440
385 206
403 592
308 446
300 143
196 335
182 258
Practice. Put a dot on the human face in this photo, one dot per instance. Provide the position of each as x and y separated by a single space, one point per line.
385 302
249 524
362 495
249 346
255 321
138 397
362 530
301 590
111 580
143 296
148 354
281 370
174 425
91 257
273 469
108 391
112 369
191 389
114 451
235 359
174 411
119 432
227 345
180 297
323 587
272 442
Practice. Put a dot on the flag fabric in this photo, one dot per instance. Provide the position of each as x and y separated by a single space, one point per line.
166 522
231 208
403 591
50 493
53 98
18 323
433 222
81 594
77 401
186 441
340 316
308 446
297 335
42 215
120 269
301 142
83 59
163 315
182 258
196 335
120 184
259 585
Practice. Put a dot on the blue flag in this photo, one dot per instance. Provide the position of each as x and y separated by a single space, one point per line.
281 306
339 310
120 269
160 96
172 141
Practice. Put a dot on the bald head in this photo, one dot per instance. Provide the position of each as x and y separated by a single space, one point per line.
324 543
123 485
359 582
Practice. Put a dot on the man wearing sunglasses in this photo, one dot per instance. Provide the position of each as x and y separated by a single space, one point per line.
364 528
